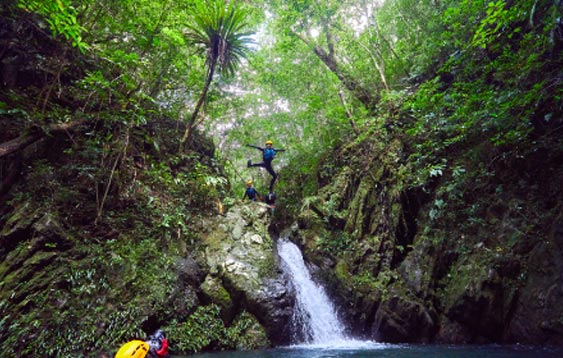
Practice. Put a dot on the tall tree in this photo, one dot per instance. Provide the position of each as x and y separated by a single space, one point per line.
218 31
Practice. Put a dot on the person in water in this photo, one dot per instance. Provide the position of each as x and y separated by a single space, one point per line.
155 347
250 192
268 154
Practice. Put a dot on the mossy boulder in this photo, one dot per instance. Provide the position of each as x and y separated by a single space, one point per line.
217 294
243 269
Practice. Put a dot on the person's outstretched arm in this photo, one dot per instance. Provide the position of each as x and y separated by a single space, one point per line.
255 146
279 150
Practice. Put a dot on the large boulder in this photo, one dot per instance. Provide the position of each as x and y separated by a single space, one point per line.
241 257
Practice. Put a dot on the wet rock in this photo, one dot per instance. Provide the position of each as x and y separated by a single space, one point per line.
452 332
416 270
538 314
400 319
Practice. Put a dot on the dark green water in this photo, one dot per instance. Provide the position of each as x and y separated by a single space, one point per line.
396 351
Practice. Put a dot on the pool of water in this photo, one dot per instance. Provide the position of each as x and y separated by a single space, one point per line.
324 328
380 350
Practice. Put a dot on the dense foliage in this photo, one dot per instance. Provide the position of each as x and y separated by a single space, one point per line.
459 75
453 91
111 204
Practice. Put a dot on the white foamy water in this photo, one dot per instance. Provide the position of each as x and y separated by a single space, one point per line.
314 314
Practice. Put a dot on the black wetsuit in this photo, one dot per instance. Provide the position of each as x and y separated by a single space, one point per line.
270 199
267 157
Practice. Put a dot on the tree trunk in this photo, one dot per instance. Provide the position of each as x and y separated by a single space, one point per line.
188 133
348 113
350 83
34 135
361 93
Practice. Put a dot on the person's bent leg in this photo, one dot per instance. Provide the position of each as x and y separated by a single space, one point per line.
274 176
262 164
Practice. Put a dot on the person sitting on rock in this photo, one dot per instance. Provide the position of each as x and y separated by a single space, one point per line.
250 192
268 154
270 199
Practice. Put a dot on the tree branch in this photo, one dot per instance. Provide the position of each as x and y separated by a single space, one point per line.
34 135
348 114
330 61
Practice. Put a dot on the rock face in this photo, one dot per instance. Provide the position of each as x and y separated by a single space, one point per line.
237 271
451 262
538 315
243 266
80 274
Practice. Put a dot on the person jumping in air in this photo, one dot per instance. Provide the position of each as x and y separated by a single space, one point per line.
250 192
268 154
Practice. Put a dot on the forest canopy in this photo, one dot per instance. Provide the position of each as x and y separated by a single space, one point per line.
126 125
318 70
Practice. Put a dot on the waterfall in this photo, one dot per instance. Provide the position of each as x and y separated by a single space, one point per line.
314 314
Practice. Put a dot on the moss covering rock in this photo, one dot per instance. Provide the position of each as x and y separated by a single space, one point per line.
469 257
241 258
